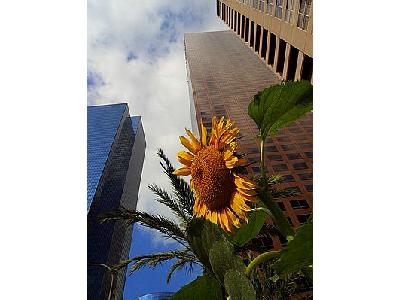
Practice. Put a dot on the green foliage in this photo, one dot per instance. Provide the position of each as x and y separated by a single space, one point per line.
204 287
251 229
239 286
202 234
223 259
299 253
279 105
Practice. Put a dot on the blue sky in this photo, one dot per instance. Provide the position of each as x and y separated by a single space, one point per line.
136 55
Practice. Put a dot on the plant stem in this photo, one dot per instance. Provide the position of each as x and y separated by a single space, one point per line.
266 256
264 176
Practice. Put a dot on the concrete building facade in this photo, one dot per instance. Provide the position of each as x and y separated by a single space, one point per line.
224 74
116 148
280 32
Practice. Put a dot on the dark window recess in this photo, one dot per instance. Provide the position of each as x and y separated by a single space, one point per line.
272 45
253 150
243 27
302 218
287 147
294 52
298 204
275 157
218 10
282 139
271 149
251 34
300 166
307 176
246 31
256 169
309 154
281 167
293 156
252 159
239 23
290 221
269 140
287 178
309 187
306 145
281 206
258 37
283 240
281 56
264 44
307 69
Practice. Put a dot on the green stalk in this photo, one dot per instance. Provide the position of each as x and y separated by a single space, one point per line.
266 256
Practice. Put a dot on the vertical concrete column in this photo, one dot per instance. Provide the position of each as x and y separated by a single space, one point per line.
310 20
278 44
299 67
261 42
296 8
284 4
269 46
286 66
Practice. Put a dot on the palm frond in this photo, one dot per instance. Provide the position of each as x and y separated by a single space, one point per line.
178 265
152 260
157 222
164 198
284 193
182 191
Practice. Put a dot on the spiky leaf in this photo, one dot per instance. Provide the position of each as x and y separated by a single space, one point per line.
204 287
279 105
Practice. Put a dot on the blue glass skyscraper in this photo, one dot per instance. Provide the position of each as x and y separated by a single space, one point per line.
115 155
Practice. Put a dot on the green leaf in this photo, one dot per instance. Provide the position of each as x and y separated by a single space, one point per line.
239 286
299 253
201 236
251 229
204 287
279 105
223 259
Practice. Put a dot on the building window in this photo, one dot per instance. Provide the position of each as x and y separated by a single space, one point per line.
281 206
299 204
280 168
278 9
264 44
300 166
302 218
307 68
289 11
280 65
291 73
270 6
304 14
272 45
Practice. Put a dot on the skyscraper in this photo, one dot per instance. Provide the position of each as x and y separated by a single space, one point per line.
280 32
224 74
115 155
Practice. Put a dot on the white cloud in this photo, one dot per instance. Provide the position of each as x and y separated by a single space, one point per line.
154 82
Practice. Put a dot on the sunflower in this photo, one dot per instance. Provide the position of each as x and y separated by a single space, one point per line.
221 194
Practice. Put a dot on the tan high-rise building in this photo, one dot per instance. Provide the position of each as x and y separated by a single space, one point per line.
278 31
224 74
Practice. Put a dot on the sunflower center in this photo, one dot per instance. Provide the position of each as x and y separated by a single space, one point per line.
212 181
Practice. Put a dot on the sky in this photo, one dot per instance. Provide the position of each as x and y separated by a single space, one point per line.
136 55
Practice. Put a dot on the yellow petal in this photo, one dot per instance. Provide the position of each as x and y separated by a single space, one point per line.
203 135
184 171
233 219
225 222
231 163
185 142
228 154
185 158
214 217
236 208
238 199
195 142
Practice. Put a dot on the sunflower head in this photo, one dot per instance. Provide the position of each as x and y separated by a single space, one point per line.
221 194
